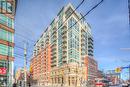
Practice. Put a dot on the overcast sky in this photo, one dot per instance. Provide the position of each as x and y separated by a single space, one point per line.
109 23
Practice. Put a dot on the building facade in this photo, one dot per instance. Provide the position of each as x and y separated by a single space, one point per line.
91 68
19 76
7 12
62 48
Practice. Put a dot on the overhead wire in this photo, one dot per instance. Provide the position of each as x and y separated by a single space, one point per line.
75 23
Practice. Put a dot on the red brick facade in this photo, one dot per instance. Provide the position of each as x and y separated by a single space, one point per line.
91 68
41 66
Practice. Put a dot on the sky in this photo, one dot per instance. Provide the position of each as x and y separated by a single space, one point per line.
109 24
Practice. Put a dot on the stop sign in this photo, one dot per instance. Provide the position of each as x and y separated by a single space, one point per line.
3 70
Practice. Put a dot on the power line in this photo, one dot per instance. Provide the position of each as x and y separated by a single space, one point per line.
15 54
21 35
24 37
68 17
77 21
59 26
22 48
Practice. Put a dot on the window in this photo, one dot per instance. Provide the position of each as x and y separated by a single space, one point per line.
5 35
72 24
68 12
6 50
6 21
3 63
60 19
3 19
9 7
5 5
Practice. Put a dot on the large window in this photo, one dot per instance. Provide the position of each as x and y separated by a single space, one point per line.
73 42
68 12
60 21
3 63
6 50
6 21
5 5
5 35
72 24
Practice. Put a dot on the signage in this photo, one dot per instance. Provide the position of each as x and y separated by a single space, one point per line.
118 70
3 70
125 67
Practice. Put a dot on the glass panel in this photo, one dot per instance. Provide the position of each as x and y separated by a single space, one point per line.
6 50
6 21
5 35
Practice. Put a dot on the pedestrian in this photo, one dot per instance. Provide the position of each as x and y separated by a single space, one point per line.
14 85
29 84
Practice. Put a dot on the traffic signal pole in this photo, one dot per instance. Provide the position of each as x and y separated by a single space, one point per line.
25 64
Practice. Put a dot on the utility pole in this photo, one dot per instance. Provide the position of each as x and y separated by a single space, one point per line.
8 71
25 64
129 10
129 72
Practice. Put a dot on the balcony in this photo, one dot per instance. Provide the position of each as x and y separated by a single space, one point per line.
64 41
54 40
54 36
53 56
90 46
90 39
53 53
82 35
82 43
83 39
65 26
54 28
64 60
90 51
53 60
83 48
53 64
90 43
53 49
64 46
64 36
47 42
64 50
64 31
53 45
90 54
64 55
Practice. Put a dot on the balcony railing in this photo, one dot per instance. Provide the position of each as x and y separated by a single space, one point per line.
64 41
64 46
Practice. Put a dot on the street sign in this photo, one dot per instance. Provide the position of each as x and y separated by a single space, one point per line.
3 70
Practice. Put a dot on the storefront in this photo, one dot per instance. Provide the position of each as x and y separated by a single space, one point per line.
3 73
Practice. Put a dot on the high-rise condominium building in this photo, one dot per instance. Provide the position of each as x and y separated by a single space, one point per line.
7 12
59 53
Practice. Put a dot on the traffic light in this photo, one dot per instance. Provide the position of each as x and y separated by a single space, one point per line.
31 70
118 70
